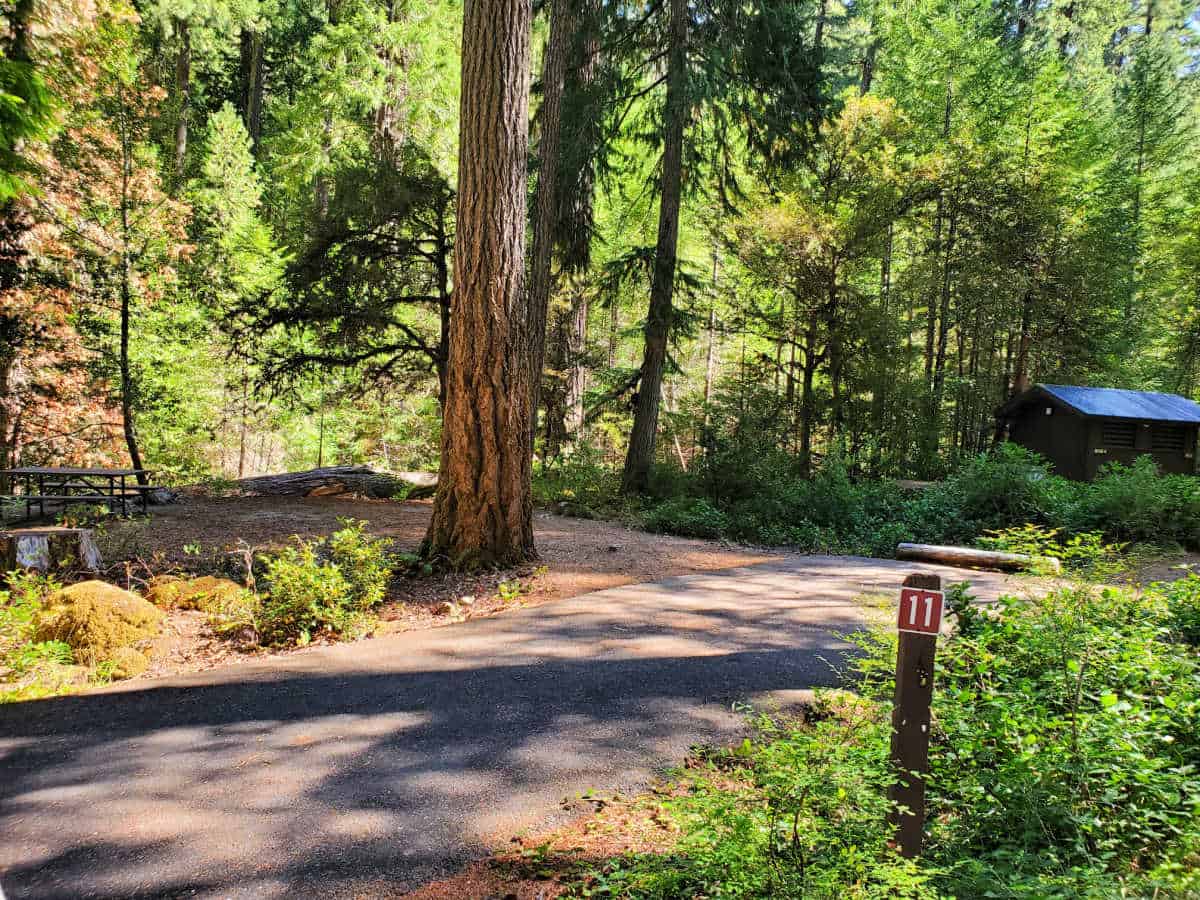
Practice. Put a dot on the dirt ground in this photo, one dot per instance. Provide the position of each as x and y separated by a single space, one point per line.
200 534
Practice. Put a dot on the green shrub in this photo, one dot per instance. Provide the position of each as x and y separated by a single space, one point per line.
1008 486
31 655
747 491
688 516
1085 555
364 560
800 812
581 483
324 587
20 603
304 596
1136 503
1064 762
1183 608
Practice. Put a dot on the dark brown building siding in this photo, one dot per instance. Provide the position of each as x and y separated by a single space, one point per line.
1077 445
1061 435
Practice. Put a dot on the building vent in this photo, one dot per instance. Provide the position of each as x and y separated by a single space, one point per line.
1167 439
1118 435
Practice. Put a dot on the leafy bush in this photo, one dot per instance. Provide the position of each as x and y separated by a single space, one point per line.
20 603
304 596
1065 758
1183 608
363 560
1008 486
1083 554
752 493
1136 503
29 656
579 484
324 586
688 516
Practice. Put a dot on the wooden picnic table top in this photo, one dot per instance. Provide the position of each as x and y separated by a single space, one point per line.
69 471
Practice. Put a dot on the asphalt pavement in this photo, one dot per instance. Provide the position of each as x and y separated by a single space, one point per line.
362 770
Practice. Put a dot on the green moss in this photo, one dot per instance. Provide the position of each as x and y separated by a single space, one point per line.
126 662
96 619
207 593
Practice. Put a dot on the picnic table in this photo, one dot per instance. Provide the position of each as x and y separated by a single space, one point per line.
64 485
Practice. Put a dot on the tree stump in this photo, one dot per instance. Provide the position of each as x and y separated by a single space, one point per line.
48 549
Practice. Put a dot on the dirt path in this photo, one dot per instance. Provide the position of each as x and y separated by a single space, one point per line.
580 555
577 556
362 770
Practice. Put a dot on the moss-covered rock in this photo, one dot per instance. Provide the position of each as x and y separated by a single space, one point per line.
97 619
207 593
128 662
163 591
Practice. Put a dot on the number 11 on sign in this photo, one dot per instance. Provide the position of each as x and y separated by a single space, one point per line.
920 611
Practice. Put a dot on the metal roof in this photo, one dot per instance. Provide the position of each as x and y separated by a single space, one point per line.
1120 404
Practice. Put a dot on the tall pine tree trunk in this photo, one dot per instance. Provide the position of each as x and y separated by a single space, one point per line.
562 25
128 425
808 407
576 337
658 322
388 133
253 46
183 93
483 512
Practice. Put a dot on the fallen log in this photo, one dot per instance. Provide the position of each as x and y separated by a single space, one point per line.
50 549
972 558
331 481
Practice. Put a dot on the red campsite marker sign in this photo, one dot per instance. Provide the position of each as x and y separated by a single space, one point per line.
919 621
920 611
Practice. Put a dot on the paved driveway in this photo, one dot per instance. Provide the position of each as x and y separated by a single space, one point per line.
360 770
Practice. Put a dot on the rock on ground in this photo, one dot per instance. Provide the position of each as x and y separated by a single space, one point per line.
97 619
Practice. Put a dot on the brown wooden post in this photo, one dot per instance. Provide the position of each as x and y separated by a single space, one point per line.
910 714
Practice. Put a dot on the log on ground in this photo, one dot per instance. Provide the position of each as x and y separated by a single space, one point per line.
973 558
330 481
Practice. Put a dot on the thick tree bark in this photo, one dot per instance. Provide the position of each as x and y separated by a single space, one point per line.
183 94
658 322
483 513
445 298
253 46
562 24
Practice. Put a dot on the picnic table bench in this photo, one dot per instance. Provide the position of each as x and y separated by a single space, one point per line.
36 486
